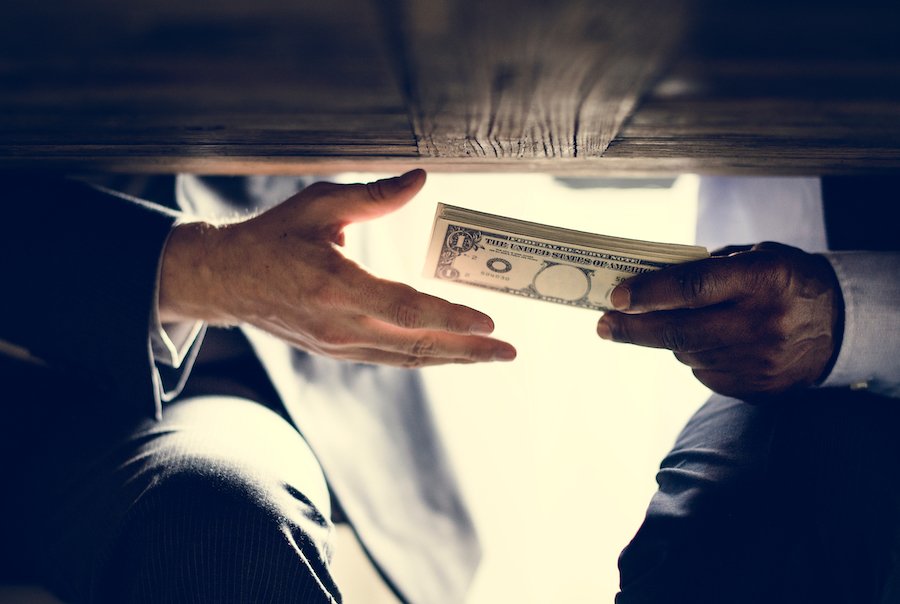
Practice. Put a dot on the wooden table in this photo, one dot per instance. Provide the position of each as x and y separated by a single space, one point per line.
564 86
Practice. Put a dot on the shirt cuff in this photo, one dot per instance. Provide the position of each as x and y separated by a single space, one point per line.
170 343
870 285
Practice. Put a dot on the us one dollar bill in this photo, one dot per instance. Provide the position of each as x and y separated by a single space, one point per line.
540 261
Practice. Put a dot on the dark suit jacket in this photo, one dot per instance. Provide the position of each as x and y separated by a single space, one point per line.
81 267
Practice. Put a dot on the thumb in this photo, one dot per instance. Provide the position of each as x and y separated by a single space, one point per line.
343 204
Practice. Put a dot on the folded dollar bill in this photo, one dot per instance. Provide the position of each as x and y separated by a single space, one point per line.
540 261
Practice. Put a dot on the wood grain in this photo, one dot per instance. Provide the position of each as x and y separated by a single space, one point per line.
528 79
96 80
569 87
789 88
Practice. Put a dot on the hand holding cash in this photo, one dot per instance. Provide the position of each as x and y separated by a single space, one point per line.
539 261
752 323
756 322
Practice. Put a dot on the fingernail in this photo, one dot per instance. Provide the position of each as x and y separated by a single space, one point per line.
504 354
603 330
482 328
410 177
620 298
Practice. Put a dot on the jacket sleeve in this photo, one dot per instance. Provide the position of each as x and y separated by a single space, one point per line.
79 268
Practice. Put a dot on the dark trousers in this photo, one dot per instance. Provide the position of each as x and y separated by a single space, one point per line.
794 501
221 501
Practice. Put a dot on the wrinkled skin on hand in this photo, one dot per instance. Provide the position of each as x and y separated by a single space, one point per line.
752 323
283 271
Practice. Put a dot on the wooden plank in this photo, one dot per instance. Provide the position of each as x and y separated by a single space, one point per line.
83 81
778 88
647 162
526 78
267 86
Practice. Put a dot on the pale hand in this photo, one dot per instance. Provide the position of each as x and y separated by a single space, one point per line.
283 272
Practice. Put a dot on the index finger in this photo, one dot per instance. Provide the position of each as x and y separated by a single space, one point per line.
689 285
401 305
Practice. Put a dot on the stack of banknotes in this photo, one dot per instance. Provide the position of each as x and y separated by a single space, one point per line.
540 261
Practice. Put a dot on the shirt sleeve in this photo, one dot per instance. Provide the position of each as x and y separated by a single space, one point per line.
735 210
870 349
173 345
170 342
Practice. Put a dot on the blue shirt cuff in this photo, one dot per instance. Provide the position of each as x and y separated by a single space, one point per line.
870 349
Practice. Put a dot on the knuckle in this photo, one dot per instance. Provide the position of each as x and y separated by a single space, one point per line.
620 328
712 380
376 190
781 275
693 284
674 337
455 320
769 272
424 346
413 362
684 358
406 315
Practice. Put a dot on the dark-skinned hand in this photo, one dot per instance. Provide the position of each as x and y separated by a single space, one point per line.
752 323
